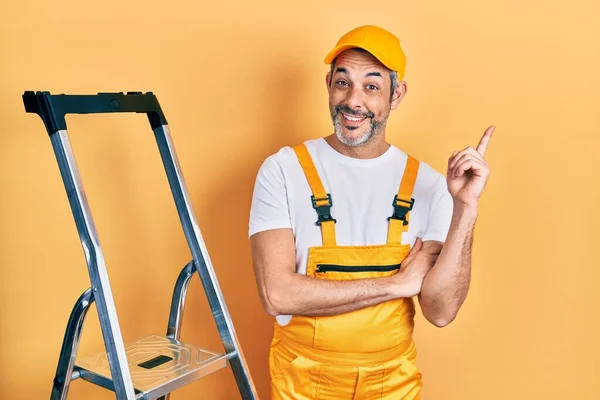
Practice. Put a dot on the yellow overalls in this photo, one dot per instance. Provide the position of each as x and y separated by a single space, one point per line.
363 354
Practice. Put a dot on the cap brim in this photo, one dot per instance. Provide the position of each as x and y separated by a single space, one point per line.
339 49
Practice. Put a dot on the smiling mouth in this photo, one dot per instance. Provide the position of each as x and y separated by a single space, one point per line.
352 119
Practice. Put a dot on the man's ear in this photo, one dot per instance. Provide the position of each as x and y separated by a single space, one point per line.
398 94
328 80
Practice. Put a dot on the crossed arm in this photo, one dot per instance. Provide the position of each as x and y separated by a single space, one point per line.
438 273
282 291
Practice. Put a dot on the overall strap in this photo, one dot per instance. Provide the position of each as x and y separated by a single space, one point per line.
321 200
403 202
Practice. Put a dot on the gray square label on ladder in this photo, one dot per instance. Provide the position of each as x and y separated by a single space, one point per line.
152 367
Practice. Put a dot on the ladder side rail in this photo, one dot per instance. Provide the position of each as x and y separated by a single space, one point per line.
105 304
203 263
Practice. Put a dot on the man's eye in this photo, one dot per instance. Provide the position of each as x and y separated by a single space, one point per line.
342 83
372 87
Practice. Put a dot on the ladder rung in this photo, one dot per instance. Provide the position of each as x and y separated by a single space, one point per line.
158 365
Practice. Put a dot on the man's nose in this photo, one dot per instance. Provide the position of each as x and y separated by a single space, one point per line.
354 99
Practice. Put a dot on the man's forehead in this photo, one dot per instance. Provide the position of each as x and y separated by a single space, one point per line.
353 59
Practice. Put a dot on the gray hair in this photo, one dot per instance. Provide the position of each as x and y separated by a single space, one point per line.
394 79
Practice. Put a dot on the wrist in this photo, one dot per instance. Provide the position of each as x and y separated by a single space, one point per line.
390 286
468 210
398 287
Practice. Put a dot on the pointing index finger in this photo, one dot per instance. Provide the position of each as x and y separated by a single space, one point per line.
485 139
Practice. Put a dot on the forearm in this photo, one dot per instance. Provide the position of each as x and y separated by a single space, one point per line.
302 295
446 285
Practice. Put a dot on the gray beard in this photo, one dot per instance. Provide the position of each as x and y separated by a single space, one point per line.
374 128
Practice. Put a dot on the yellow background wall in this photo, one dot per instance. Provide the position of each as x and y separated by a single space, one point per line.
238 80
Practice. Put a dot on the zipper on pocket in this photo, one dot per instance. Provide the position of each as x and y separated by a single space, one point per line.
359 268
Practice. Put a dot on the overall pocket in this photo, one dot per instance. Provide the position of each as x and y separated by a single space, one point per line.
370 329
402 380
324 268
294 378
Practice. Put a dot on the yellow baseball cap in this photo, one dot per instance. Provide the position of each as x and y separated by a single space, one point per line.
382 44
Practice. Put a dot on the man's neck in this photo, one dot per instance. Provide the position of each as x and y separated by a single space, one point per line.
372 149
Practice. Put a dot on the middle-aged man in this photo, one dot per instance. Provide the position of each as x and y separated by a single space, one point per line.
337 261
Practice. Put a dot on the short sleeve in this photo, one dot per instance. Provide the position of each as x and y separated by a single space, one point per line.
269 208
440 212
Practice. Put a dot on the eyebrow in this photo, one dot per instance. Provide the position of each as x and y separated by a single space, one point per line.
344 71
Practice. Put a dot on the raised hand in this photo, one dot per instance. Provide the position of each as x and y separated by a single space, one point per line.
468 171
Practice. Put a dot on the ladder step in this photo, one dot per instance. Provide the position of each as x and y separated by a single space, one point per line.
158 365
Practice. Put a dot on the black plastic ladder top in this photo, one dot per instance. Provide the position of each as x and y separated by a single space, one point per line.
52 108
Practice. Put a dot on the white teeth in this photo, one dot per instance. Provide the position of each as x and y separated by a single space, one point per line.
353 119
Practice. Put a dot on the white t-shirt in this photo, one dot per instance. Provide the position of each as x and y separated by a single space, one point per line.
362 192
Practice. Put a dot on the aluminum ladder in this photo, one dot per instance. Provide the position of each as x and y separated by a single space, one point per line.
154 366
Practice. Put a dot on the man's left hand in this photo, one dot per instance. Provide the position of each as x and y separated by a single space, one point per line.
468 172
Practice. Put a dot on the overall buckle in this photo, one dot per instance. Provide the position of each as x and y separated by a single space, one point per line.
401 208
323 211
